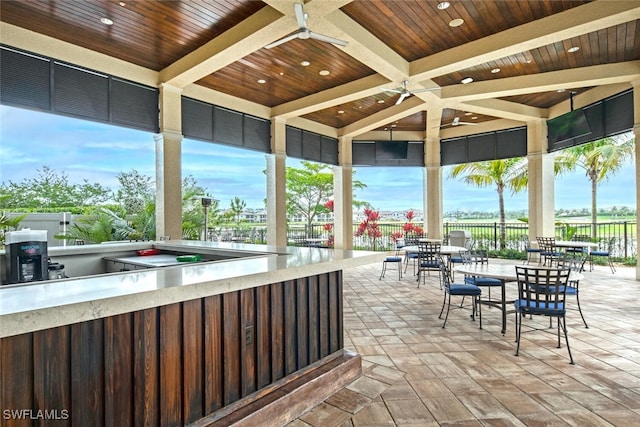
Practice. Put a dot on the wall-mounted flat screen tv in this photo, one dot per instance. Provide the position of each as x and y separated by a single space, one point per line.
391 150
568 126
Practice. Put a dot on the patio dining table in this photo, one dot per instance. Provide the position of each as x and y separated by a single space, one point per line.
575 245
444 250
505 273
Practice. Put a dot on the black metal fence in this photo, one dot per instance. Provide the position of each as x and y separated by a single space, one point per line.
485 234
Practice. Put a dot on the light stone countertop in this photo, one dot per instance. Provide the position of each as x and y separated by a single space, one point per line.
41 305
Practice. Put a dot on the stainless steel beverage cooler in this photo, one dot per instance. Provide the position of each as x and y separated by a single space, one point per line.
26 256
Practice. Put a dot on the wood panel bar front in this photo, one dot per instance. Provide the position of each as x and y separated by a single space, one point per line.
173 364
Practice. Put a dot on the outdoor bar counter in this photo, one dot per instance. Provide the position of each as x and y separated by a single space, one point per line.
203 343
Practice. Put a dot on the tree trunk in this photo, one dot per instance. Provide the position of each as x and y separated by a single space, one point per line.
594 210
503 234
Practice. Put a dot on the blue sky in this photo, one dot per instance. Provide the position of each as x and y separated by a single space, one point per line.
97 152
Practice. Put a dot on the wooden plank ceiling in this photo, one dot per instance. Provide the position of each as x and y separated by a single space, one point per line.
516 52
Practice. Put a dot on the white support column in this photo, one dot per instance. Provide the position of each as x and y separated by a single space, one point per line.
433 185
432 181
343 197
277 185
636 134
169 164
541 181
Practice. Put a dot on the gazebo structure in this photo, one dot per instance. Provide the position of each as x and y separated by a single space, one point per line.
459 81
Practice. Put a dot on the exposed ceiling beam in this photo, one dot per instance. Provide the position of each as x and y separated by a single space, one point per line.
408 107
564 79
331 97
368 49
505 109
253 33
579 20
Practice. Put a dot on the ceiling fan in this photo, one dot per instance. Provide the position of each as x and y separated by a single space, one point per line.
456 122
303 32
405 93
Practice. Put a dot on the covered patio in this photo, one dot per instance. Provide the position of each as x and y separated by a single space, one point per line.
416 373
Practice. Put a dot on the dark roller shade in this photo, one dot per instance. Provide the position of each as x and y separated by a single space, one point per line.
618 113
134 105
257 134
81 93
502 144
481 147
24 80
329 151
227 126
453 151
511 143
363 153
294 142
197 119
311 148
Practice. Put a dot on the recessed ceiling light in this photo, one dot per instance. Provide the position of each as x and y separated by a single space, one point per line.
305 63
466 80
281 73
495 70
468 113
474 118
122 3
456 22
573 49
340 111
528 61
324 72
560 90
262 81
381 101
106 21
443 5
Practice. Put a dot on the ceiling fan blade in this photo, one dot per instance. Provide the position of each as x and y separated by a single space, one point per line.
401 98
301 18
426 89
468 123
282 40
327 39
392 90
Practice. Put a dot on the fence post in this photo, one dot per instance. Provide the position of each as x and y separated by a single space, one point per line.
625 239
495 235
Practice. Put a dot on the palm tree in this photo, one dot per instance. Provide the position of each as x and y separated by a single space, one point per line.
503 174
599 160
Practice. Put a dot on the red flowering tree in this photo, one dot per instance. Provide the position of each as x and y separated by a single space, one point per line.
328 227
409 227
369 227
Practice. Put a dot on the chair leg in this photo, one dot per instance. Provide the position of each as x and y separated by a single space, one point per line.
444 301
384 269
566 337
613 269
446 316
580 310
518 332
